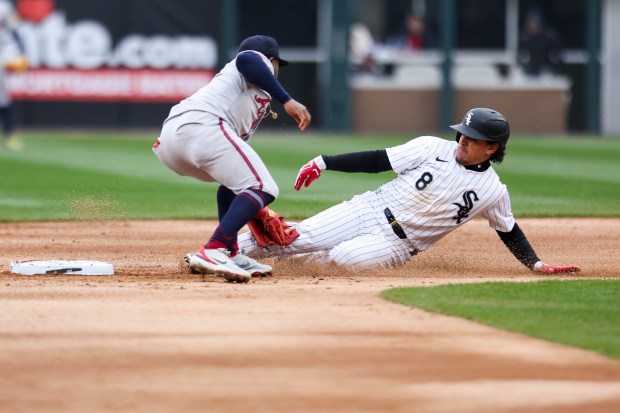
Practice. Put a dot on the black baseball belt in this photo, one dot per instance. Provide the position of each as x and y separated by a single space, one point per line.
398 230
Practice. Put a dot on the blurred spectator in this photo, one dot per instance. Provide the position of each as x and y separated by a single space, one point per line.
361 44
16 62
415 35
539 46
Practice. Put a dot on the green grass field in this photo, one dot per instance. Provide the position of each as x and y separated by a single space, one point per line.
97 175
116 176
579 313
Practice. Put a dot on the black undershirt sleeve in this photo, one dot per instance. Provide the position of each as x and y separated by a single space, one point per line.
520 247
369 161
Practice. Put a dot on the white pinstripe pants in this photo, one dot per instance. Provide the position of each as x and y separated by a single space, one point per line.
353 234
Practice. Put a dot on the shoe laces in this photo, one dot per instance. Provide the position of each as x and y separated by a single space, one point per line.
224 251
243 259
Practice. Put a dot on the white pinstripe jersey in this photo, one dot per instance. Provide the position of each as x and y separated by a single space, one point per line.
433 195
232 98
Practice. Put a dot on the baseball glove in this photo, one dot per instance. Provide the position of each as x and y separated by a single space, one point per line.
269 227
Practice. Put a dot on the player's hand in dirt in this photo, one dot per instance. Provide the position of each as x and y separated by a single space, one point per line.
298 112
309 172
554 269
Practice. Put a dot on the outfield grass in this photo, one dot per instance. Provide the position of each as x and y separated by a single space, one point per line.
116 176
579 313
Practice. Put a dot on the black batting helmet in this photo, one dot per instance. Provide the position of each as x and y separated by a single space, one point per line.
484 124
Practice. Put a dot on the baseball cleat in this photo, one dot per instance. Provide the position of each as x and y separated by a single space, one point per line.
216 261
252 266
188 256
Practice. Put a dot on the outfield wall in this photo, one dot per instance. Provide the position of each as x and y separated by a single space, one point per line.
610 122
124 63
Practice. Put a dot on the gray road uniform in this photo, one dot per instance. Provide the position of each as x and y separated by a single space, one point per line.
205 136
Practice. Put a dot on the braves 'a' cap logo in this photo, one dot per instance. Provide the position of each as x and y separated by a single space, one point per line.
468 117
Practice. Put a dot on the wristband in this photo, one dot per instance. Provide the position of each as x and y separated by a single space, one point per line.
320 162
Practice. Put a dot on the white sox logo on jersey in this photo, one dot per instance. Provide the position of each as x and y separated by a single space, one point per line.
469 197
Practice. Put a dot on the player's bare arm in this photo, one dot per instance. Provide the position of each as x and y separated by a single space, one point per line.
298 112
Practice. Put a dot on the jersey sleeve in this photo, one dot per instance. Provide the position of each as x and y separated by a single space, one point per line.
519 246
409 155
258 70
499 214
368 161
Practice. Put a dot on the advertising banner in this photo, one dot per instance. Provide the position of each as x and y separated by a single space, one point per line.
93 54
105 63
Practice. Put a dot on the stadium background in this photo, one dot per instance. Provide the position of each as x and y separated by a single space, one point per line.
154 338
72 43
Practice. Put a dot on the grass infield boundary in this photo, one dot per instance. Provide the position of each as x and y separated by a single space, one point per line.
578 313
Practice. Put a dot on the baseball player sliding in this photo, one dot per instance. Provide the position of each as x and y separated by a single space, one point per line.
440 186
205 136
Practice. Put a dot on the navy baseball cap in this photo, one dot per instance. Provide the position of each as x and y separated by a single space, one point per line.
264 44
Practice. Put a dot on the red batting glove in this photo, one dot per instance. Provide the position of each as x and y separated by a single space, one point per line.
554 269
307 174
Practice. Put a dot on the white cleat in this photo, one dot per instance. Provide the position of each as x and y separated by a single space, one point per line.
252 266
218 262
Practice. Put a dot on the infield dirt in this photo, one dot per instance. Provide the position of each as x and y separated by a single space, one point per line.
154 338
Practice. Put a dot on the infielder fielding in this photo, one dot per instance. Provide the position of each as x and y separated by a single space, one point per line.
440 186
205 136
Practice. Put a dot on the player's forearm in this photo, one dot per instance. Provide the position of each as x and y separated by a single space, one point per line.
254 70
519 246
368 161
